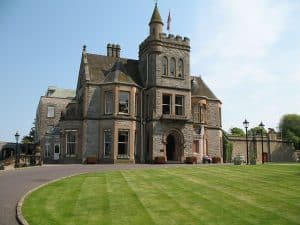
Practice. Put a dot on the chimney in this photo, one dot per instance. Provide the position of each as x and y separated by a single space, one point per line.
113 50
109 50
118 49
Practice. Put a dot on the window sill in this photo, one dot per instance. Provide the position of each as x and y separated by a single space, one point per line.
123 156
174 117
176 78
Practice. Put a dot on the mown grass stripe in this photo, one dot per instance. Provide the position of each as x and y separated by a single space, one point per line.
164 208
253 198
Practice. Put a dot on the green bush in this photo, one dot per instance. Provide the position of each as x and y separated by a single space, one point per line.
237 160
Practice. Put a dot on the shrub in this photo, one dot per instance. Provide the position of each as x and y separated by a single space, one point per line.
191 160
206 159
159 160
237 160
91 160
216 159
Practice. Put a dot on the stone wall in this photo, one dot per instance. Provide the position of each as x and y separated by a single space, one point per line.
277 150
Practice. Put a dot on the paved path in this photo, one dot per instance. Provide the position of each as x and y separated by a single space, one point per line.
15 183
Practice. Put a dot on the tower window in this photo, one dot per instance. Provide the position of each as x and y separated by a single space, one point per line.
179 100
172 67
166 106
180 68
165 66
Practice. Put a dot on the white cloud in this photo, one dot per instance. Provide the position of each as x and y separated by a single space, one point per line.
246 58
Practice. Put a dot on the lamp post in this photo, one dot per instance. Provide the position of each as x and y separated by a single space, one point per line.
246 125
17 135
261 125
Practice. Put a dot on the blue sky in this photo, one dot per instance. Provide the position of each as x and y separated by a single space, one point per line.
247 51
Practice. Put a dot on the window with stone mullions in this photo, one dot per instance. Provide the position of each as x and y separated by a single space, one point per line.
179 100
108 102
196 113
107 143
165 66
50 111
71 143
166 104
180 68
124 102
173 67
123 143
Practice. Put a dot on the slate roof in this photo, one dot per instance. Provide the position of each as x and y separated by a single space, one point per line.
156 18
199 88
57 92
118 74
108 69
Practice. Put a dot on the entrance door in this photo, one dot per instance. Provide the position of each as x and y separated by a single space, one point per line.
56 152
265 157
171 153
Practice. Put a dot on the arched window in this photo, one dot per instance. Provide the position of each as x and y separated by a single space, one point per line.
180 68
172 67
165 66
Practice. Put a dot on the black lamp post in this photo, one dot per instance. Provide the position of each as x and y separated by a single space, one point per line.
261 125
17 136
246 125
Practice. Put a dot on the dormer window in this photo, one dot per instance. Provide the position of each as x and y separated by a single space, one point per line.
165 66
172 67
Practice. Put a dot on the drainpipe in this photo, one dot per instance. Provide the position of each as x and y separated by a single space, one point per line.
143 123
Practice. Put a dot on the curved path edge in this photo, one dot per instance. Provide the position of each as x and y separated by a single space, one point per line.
19 214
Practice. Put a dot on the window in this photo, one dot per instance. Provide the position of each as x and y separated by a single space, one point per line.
71 143
196 146
196 113
107 143
203 113
50 111
179 100
166 104
180 68
108 102
49 129
165 66
123 143
136 102
47 150
172 67
124 102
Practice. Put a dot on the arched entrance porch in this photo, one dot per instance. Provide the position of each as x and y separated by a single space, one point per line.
174 146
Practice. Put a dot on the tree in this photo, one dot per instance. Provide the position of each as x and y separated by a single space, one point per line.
290 127
237 131
29 139
257 131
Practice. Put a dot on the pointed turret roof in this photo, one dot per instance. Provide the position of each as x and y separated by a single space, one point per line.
156 18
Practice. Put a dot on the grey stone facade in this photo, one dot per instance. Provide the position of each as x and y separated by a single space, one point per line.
132 111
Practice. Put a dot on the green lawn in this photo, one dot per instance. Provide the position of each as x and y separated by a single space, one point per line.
262 194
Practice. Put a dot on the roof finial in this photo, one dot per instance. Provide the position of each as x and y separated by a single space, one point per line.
84 48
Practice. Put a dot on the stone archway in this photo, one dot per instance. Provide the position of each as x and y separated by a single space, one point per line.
174 140
171 148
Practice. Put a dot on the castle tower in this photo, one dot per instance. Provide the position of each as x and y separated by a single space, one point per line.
165 71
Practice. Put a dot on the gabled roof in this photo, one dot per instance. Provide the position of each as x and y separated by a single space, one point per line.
101 66
199 88
118 74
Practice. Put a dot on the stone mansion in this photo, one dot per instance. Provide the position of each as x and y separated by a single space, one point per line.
132 111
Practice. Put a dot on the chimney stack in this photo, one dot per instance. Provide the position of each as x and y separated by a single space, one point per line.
113 50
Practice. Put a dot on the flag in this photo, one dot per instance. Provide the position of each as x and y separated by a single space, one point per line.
169 21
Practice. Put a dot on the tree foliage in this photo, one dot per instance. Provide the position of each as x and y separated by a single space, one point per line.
237 131
290 128
29 139
257 131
